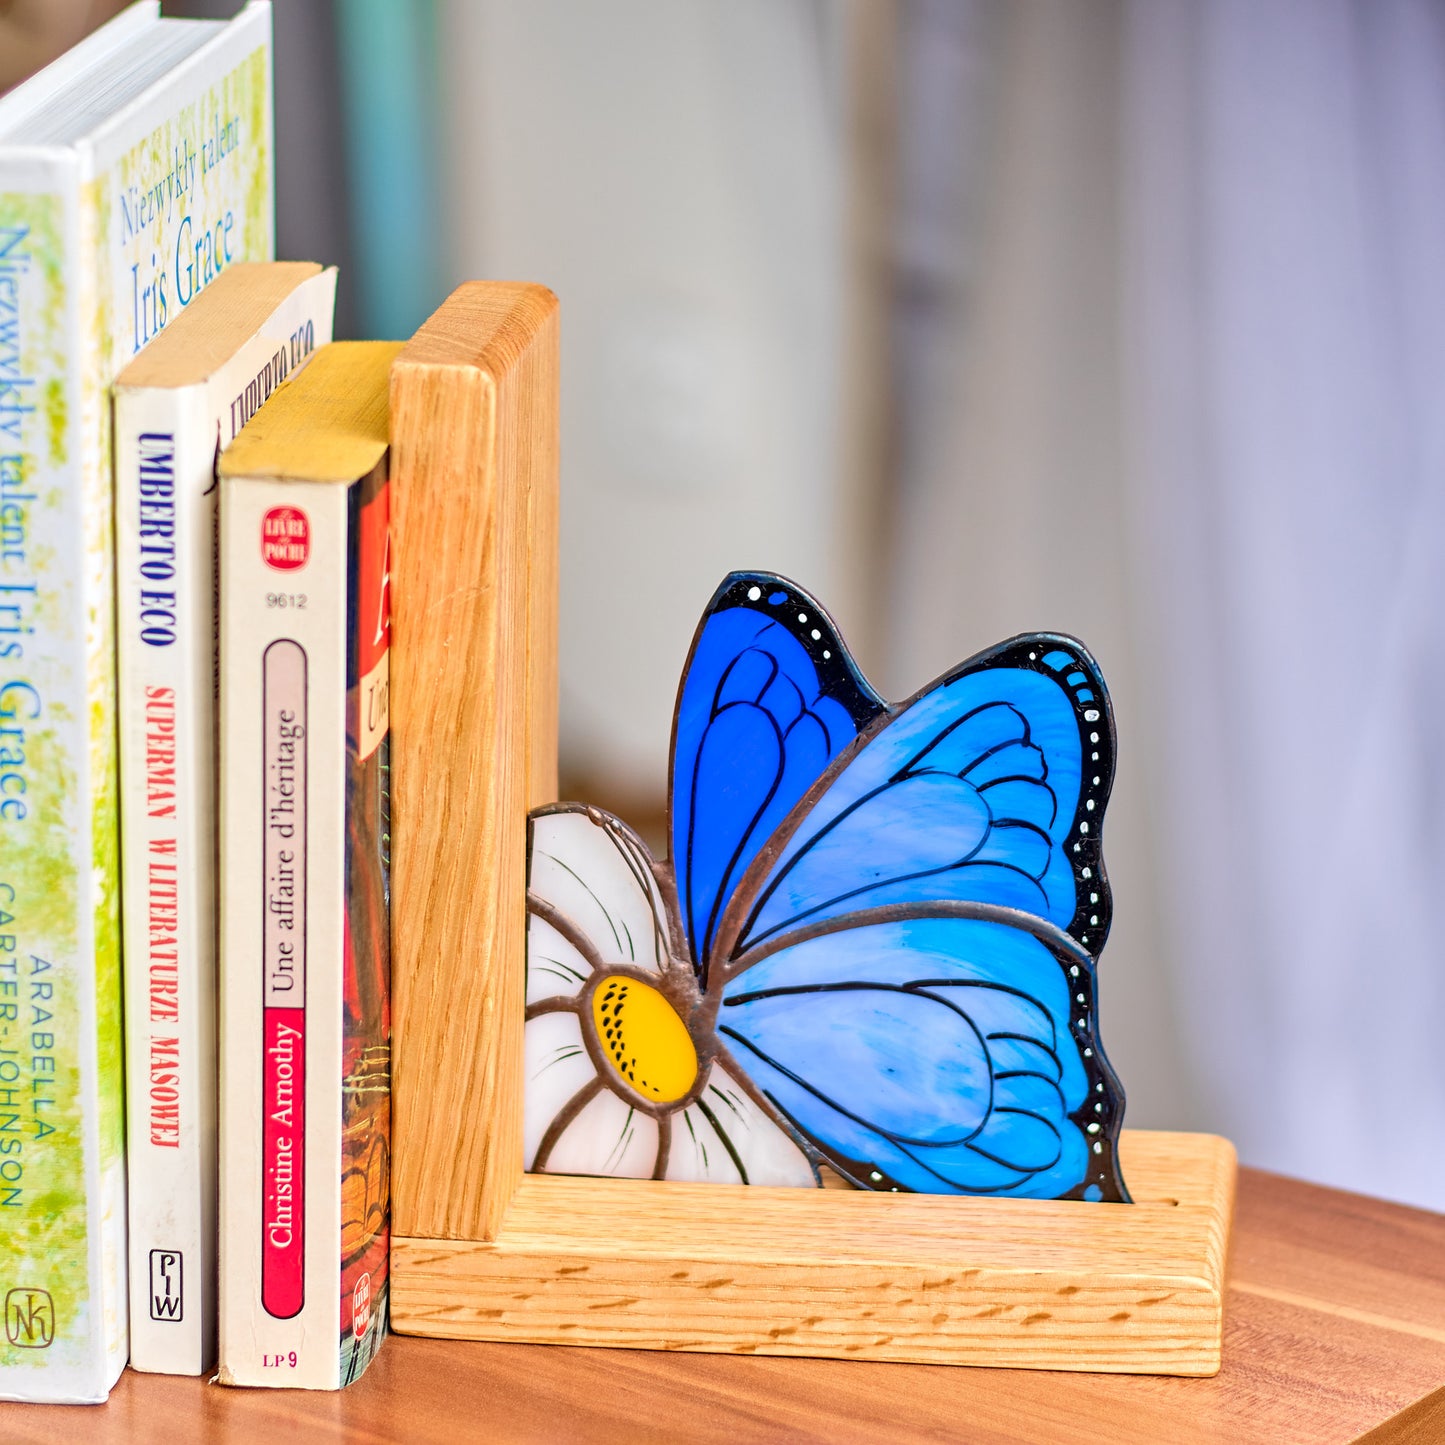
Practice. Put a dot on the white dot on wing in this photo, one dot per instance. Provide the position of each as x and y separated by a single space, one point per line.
754 593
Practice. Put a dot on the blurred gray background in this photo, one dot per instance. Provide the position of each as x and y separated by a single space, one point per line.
1124 318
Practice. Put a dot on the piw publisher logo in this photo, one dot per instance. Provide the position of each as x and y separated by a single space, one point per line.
166 1284
285 538
29 1318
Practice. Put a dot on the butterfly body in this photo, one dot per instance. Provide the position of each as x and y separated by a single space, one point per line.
873 947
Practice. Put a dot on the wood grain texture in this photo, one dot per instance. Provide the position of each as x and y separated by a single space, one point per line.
1028 1284
474 479
1295 1372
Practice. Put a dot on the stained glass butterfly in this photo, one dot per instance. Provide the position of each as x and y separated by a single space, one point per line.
873 948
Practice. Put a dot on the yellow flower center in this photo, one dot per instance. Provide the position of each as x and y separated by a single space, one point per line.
646 1041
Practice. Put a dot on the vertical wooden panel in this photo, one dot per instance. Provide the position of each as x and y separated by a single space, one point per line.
474 482
539 429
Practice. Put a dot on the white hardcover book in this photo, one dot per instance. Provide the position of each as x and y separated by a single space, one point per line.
305 938
182 400
132 172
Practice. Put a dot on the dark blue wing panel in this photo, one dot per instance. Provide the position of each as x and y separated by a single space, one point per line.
769 698
990 788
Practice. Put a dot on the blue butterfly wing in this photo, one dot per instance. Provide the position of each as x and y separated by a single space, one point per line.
948 1051
987 787
908 971
769 698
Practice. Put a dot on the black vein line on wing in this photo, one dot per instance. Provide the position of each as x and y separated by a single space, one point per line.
802 1083
1032 782
1031 1074
704 944
699 962
1062 945
994 825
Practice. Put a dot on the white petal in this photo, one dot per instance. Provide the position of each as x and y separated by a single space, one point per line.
610 1137
697 1154
600 878
554 967
767 1153
556 1065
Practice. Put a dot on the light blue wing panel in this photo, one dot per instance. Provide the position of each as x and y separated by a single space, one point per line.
990 787
768 699
937 1054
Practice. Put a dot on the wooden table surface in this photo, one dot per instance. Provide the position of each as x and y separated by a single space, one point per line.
1335 1329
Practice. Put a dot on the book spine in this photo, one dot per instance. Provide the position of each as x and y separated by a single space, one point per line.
165 518
165 450
287 569
62 1202
366 1003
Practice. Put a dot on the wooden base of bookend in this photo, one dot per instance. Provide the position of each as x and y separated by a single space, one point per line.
928 1278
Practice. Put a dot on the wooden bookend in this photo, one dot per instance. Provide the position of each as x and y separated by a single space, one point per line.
482 1251
474 647
1132 1289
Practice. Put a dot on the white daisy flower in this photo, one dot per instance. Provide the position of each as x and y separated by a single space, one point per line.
624 1073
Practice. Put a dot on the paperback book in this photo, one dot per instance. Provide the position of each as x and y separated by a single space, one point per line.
182 400
305 917
133 171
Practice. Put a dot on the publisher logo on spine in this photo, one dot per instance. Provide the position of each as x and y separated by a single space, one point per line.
166 1284
29 1318
285 538
361 1307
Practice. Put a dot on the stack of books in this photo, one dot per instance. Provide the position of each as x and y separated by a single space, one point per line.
195 587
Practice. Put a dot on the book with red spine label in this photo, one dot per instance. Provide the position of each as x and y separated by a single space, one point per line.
305 941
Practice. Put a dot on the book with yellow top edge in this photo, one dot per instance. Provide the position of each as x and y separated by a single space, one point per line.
305 945
177 404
